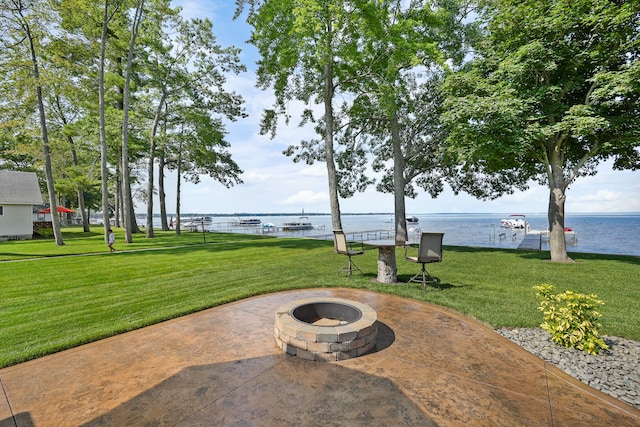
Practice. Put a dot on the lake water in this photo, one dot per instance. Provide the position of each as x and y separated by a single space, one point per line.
617 233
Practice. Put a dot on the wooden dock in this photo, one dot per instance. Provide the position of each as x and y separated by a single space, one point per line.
570 236
532 241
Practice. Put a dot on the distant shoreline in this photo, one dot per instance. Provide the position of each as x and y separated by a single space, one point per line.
247 214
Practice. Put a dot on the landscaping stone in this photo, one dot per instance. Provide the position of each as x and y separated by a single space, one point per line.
614 371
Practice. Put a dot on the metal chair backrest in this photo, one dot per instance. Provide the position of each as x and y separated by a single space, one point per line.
340 242
430 247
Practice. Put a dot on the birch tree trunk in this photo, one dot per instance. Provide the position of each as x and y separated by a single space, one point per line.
179 176
55 219
398 182
334 202
152 157
104 173
126 182
161 193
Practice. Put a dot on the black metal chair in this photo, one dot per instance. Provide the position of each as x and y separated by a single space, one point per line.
430 250
349 249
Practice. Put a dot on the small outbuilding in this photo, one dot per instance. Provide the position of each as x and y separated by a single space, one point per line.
19 191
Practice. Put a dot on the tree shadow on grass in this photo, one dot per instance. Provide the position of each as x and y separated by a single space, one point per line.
545 256
403 280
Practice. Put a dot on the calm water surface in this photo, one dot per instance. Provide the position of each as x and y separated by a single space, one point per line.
596 233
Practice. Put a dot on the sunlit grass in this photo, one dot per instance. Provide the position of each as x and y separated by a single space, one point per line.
50 302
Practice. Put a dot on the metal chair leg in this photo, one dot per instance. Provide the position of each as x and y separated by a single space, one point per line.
425 278
350 267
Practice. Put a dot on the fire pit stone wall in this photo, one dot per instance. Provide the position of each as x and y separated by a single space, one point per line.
326 329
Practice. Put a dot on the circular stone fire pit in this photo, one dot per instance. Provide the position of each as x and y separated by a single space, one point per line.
326 329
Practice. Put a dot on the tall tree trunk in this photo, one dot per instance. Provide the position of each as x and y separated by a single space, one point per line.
86 227
104 174
129 216
132 216
161 193
177 224
118 195
150 179
55 219
125 191
152 160
334 201
398 182
179 174
557 242
557 197
74 159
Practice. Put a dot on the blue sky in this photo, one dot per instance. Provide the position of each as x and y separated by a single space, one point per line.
273 183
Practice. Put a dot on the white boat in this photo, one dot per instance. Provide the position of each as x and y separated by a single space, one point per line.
514 221
248 222
302 224
199 220
191 225
409 219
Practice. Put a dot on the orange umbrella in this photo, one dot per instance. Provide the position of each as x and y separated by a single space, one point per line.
61 209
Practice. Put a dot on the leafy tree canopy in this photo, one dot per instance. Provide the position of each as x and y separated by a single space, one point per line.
553 89
551 77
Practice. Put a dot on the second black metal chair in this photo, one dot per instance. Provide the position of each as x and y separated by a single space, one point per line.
430 250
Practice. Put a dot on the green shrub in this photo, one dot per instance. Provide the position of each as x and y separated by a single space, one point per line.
42 233
571 318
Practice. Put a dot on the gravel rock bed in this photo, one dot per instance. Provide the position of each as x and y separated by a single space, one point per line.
615 371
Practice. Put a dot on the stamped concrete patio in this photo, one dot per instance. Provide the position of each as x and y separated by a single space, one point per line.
221 367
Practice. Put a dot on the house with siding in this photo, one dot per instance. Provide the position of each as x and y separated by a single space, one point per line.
19 191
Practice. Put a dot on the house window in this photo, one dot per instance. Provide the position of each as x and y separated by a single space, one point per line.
1 210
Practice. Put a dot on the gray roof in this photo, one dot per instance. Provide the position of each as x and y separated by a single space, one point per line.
19 188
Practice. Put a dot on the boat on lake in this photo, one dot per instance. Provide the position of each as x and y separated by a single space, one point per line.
302 223
412 220
514 221
193 222
248 222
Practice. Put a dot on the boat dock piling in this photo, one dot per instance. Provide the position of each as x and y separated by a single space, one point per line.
570 236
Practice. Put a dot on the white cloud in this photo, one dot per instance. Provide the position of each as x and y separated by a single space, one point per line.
198 9
606 201
315 170
601 196
255 178
306 197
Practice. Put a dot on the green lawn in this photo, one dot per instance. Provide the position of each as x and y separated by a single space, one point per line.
50 302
